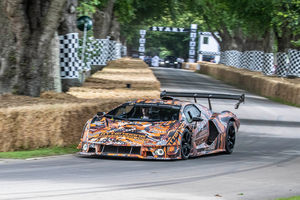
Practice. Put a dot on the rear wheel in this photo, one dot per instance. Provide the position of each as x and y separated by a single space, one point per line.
186 145
230 138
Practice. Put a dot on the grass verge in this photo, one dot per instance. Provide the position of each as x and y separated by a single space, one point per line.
279 100
290 198
39 152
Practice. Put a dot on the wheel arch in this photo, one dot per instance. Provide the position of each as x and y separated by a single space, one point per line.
230 138
184 132
228 116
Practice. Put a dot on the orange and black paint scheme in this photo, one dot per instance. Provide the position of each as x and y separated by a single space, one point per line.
194 131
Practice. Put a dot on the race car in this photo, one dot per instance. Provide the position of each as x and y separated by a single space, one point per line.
166 129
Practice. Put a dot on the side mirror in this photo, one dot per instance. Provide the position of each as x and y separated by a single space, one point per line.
100 114
197 119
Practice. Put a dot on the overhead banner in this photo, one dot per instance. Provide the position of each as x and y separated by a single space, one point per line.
168 29
192 44
193 36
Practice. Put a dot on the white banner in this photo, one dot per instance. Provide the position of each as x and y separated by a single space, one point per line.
141 49
168 29
143 32
193 35
142 40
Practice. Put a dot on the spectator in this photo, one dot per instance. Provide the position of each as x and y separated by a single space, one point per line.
179 61
155 61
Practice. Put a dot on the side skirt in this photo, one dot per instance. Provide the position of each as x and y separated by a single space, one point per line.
217 146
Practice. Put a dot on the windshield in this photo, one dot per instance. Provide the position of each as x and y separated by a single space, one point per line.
145 112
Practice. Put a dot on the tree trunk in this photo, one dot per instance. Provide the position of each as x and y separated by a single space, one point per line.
259 43
103 20
68 22
52 80
114 32
252 43
33 23
8 70
237 40
233 41
284 40
268 41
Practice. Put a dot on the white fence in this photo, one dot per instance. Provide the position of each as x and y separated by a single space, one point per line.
279 64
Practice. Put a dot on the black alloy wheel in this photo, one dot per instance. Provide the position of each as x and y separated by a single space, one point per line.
186 145
230 138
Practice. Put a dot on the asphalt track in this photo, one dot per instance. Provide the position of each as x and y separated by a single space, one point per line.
265 163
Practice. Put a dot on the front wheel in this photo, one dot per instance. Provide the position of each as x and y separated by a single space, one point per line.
230 138
186 144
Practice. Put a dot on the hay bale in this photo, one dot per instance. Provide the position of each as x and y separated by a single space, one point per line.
190 66
57 119
122 72
282 88
89 93
31 127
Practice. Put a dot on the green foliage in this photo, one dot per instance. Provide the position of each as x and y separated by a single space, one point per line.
164 52
286 14
260 15
137 14
296 43
250 19
125 11
88 7
92 49
247 19
290 198
162 43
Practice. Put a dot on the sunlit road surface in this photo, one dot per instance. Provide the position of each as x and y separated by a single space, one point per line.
264 165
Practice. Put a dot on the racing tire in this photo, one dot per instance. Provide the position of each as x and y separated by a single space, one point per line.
230 138
186 145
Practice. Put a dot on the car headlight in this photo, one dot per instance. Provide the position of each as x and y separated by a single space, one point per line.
175 62
85 147
167 61
159 152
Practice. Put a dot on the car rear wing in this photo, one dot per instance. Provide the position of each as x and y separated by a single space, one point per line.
240 98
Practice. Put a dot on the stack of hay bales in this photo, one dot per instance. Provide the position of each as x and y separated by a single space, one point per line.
285 89
114 80
190 66
58 119
45 125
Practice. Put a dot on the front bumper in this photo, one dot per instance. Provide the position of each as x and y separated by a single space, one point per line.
141 152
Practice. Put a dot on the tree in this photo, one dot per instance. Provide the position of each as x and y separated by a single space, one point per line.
175 44
31 27
103 19
137 14
251 24
286 24
256 18
68 19
236 30
218 17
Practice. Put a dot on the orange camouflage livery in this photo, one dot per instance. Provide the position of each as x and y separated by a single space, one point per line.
174 129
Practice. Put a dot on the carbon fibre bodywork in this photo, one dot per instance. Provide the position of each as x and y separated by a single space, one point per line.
106 136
